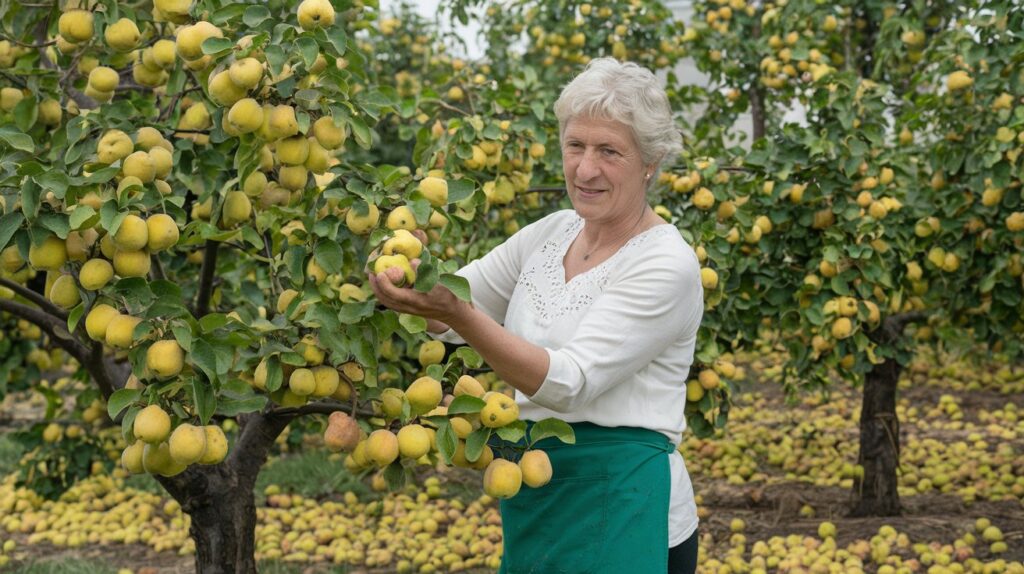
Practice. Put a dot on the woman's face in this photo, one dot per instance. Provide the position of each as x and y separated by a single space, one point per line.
604 172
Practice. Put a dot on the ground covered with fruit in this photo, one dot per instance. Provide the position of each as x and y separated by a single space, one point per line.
772 491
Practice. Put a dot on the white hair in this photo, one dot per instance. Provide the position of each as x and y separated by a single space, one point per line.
628 93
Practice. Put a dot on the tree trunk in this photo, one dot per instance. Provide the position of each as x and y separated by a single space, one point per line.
224 524
875 493
221 502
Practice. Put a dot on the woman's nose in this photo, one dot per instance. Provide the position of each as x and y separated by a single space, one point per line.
587 167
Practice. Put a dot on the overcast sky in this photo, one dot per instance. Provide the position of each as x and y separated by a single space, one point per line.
429 8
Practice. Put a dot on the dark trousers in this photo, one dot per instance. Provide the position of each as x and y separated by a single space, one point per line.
682 559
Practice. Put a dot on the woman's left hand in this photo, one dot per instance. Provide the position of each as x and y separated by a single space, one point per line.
439 303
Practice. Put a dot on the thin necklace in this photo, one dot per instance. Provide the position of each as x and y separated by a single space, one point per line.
586 256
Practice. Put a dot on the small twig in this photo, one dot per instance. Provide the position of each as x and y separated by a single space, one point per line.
448 106
25 45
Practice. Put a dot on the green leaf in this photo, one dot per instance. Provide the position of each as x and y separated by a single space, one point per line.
25 113
80 216
75 316
329 255
308 48
394 475
204 357
55 222
460 189
552 427
30 192
465 404
128 422
426 277
475 443
205 399
16 139
513 432
183 335
275 376
212 322
336 36
469 357
214 46
9 223
446 441
457 285
361 132
120 400
412 323
255 15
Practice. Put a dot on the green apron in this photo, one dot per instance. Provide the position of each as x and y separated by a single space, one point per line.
605 510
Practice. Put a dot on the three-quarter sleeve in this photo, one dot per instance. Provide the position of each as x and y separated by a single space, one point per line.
641 313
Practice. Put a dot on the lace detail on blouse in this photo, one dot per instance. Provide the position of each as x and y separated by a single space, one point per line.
544 278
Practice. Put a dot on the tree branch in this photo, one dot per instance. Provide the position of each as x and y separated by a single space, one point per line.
36 298
53 326
206 279
756 95
319 408
892 326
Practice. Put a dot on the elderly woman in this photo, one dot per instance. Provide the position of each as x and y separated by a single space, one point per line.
592 315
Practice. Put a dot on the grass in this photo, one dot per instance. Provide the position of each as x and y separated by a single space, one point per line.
10 454
312 474
63 566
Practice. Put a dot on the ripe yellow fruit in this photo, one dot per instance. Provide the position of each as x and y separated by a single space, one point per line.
120 331
694 391
162 232
223 91
958 80
467 385
842 328
98 319
1015 221
399 261
49 255
246 116
327 381
246 73
293 150
140 165
703 199
131 457
165 358
362 223
315 14
281 122
342 433
132 263
435 190
302 382
122 35
709 379
502 479
536 468
405 243
424 394
187 444
152 425
413 441
114 145
216 445
189 39
391 400
499 411
156 459
431 353
709 278
164 54
173 8
133 234
64 292
401 218
103 79
382 447
237 208
76 26
329 135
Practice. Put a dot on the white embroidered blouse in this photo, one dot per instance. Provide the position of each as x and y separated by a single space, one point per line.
620 336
